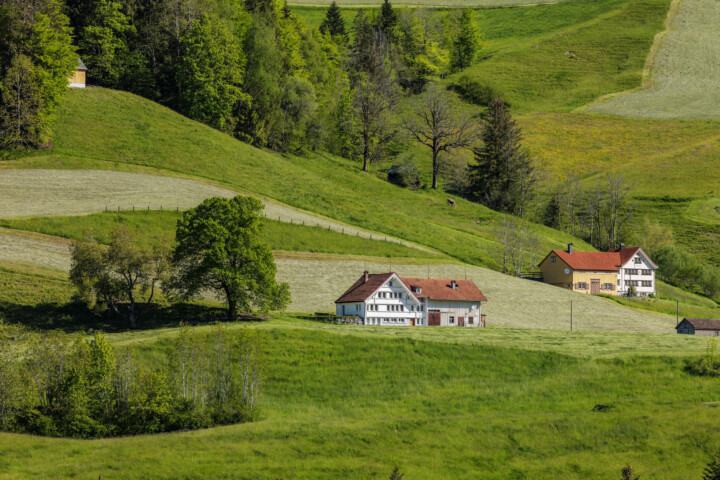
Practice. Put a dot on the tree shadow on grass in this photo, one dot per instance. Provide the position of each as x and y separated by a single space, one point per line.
77 318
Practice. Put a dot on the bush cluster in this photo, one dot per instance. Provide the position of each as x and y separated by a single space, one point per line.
680 268
68 387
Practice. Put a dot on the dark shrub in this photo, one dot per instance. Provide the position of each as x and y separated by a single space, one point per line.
475 92
404 176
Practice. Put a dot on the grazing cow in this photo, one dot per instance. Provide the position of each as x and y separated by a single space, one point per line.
451 202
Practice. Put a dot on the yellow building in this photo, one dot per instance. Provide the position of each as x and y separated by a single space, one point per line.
78 78
587 272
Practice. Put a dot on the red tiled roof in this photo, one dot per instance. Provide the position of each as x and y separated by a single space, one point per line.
361 289
601 261
703 323
440 289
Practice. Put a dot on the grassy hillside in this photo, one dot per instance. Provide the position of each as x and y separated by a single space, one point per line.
142 134
686 70
459 403
158 227
554 57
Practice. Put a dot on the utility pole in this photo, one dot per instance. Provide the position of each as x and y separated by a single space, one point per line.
677 312
571 313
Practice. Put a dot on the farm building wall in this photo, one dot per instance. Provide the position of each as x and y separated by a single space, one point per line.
554 272
77 80
453 310
606 279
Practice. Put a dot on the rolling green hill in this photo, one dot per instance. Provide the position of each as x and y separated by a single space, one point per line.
559 56
347 402
104 129
685 71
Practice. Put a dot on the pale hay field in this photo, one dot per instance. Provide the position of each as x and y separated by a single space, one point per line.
317 280
41 250
686 72
512 302
34 192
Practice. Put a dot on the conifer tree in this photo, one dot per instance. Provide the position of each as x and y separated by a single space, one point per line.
20 104
465 44
712 470
503 175
334 24
388 21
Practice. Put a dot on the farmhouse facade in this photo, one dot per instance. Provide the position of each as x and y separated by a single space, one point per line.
386 299
699 326
617 272
78 78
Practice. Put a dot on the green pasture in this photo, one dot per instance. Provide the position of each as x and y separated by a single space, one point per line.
156 227
686 70
551 56
104 129
351 402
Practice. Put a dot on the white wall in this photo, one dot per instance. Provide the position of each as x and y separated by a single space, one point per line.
455 309
624 276
392 305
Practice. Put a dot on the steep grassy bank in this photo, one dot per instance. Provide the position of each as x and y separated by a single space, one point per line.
155 227
140 133
340 403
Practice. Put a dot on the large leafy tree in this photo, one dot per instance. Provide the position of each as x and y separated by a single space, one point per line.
220 248
20 124
210 73
103 42
36 58
465 43
503 175
334 24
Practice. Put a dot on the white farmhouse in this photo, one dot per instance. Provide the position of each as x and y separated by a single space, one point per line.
386 299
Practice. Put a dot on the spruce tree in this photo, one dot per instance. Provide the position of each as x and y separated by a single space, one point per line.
465 44
712 470
334 23
503 175
388 21
20 105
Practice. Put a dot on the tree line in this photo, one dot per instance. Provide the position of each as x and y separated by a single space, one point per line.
219 249
60 385
250 68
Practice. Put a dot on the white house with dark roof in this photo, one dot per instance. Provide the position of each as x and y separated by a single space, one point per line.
386 299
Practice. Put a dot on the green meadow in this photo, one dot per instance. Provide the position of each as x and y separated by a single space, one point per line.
141 136
155 227
685 70
452 403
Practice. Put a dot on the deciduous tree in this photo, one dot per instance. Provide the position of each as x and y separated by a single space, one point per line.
437 125
219 248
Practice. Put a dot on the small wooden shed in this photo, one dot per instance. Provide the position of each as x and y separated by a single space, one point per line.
78 77
699 326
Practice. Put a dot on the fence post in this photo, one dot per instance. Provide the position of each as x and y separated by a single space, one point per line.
161 208
133 208
118 208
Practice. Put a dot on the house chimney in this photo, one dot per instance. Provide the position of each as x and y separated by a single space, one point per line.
570 248
365 275
453 284
622 246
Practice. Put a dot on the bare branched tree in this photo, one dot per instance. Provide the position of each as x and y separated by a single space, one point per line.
437 125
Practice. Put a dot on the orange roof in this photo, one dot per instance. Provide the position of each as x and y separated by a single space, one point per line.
600 261
441 289
361 289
